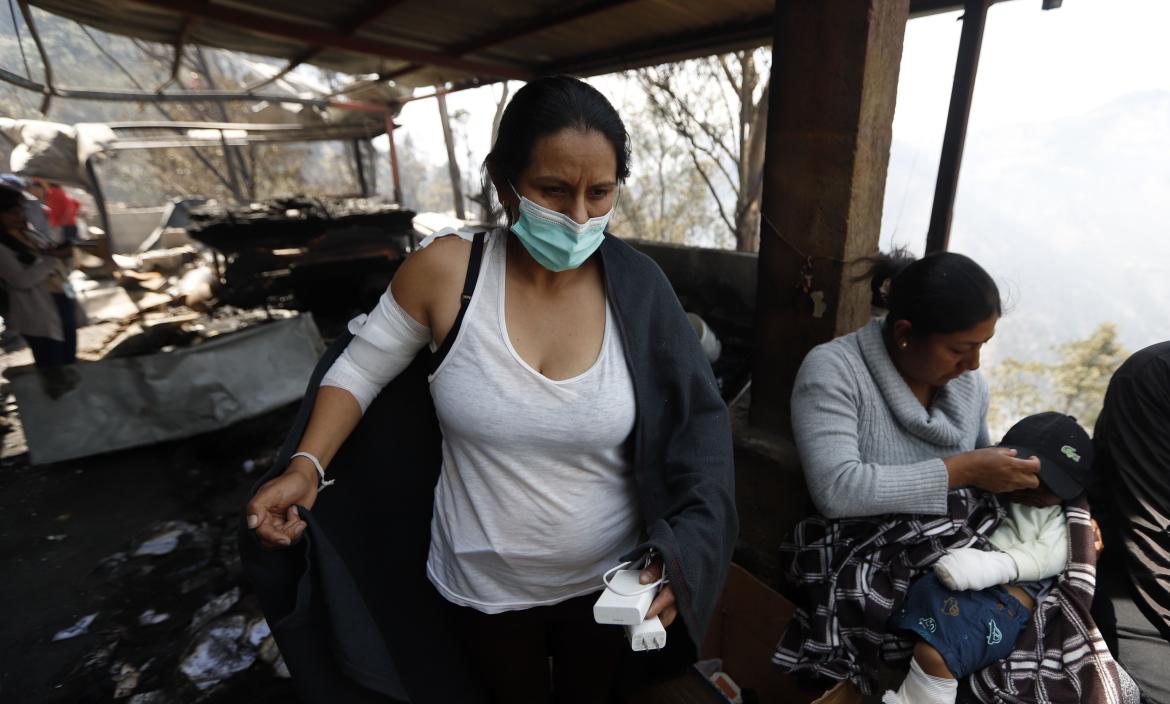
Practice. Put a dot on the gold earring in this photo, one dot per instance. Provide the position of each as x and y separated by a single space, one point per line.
903 345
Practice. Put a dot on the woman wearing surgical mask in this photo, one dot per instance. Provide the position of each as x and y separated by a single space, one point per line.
581 423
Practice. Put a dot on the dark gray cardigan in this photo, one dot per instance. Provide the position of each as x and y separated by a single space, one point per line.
349 603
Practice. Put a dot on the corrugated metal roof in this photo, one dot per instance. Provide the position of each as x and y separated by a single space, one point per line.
428 42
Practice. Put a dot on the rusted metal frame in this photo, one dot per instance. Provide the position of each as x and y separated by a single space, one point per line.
452 164
178 142
159 108
452 88
348 28
700 42
921 8
316 36
233 177
99 197
292 64
532 26
26 11
966 67
394 159
692 43
142 96
180 46
361 168
190 125
229 154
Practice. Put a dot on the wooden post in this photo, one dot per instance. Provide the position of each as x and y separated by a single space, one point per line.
835 66
452 164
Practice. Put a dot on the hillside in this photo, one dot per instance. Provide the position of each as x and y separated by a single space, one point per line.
1070 216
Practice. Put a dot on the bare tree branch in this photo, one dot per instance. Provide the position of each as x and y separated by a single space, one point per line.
686 111
714 193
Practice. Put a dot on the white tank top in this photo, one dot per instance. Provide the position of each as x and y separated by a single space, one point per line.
536 499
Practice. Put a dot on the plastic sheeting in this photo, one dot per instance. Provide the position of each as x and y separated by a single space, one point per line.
133 401
54 151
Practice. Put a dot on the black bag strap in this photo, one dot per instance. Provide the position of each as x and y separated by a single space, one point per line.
473 266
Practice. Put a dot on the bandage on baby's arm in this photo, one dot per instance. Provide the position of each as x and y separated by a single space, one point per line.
385 344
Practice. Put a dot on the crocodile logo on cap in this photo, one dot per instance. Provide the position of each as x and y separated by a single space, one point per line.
1071 452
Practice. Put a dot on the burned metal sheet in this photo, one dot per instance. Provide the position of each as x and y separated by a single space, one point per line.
132 401
333 256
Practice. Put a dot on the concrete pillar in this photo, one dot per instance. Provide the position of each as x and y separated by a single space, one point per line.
835 67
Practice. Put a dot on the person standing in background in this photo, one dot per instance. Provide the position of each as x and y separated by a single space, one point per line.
38 301
63 210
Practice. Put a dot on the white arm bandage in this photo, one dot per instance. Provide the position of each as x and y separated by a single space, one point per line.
970 568
385 343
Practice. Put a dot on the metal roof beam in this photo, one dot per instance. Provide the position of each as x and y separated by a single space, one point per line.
753 32
32 29
186 97
938 234
700 42
316 36
534 25
195 125
348 28
537 24
180 44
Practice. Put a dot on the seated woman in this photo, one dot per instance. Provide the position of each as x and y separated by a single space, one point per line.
888 420
890 425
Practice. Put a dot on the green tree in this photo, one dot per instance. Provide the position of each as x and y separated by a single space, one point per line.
1074 384
1081 376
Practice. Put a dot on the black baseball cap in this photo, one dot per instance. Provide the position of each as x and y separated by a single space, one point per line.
1064 449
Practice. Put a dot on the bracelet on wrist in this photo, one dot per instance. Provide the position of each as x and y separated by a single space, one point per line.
317 466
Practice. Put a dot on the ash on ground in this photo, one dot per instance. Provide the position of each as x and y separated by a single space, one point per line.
122 575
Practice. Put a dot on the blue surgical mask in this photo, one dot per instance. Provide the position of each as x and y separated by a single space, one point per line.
555 240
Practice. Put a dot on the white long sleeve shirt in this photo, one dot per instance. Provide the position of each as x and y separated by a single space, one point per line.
1035 538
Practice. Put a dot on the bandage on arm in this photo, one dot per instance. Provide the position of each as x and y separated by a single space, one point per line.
385 344
971 568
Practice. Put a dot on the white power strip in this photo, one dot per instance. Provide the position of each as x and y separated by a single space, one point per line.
618 609
647 635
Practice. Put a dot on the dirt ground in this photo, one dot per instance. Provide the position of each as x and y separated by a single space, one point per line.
145 539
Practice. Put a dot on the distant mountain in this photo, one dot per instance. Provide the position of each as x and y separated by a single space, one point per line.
1072 217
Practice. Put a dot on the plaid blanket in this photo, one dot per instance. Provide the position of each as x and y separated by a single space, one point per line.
849 575
1061 656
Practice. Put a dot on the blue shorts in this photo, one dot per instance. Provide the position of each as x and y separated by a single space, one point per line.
969 629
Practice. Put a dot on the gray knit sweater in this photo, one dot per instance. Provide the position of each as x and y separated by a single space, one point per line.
867 445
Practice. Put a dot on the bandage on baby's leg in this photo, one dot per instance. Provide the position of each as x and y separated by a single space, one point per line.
922 688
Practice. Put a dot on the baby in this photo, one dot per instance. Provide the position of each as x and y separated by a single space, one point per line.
967 613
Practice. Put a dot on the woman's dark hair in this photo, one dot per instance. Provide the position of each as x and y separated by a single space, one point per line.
880 269
941 293
546 106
